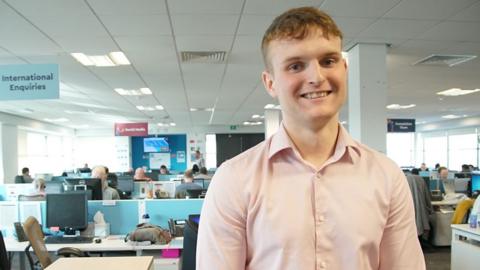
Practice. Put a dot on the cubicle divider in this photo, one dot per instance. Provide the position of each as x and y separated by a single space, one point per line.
160 211
123 215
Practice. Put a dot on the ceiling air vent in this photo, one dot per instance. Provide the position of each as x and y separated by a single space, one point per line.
211 57
444 60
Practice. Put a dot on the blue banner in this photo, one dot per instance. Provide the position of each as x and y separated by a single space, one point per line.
23 82
400 125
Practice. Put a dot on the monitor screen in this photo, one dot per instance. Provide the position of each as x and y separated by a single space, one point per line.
67 210
125 183
93 185
155 144
196 193
53 187
475 181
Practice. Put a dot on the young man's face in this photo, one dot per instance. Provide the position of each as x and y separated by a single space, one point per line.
308 77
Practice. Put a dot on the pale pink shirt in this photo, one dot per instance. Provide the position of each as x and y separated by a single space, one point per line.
269 209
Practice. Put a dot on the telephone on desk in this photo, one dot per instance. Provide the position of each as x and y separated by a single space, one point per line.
176 227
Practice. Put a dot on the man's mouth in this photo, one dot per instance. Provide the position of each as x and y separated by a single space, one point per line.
314 95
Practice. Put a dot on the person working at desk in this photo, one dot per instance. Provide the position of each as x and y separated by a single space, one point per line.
24 178
39 186
140 175
108 192
309 197
164 170
181 190
199 159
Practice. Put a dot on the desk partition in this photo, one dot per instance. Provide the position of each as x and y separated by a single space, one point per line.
124 215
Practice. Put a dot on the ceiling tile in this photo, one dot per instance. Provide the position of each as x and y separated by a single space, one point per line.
126 7
359 8
204 24
205 7
137 25
276 7
429 10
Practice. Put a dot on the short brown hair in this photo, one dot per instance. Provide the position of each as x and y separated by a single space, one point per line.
298 23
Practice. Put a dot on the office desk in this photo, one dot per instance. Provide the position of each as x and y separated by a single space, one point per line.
111 243
465 247
102 263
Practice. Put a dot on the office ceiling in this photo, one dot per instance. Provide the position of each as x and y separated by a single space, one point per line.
152 33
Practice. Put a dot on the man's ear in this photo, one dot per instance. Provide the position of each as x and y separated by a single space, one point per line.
268 82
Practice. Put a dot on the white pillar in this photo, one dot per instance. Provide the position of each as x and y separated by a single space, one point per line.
367 94
273 119
9 153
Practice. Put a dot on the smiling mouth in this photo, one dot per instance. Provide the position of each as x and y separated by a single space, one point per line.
315 95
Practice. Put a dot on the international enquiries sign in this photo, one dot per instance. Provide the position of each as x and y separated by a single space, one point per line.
400 125
23 82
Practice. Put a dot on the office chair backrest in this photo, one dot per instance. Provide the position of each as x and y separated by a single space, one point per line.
189 253
4 262
31 197
35 237
19 179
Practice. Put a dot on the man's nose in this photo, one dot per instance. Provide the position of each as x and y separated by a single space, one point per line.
315 73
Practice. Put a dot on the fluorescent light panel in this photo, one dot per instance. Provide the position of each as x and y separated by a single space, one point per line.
56 120
400 107
456 92
110 60
150 108
453 116
133 92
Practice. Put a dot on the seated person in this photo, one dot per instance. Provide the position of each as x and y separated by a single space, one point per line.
85 169
203 174
195 169
164 170
108 192
39 187
181 190
140 175
24 178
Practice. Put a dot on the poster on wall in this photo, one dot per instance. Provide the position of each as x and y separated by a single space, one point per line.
180 156
159 159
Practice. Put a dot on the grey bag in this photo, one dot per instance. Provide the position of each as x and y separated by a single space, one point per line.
149 232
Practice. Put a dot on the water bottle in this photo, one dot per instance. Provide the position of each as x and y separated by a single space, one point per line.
472 220
146 218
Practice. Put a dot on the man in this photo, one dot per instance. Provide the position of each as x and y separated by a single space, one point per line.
181 190
309 197
108 192
443 173
423 167
203 174
25 177
199 161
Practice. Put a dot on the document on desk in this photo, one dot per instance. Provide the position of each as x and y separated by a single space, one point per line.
8 214
27 209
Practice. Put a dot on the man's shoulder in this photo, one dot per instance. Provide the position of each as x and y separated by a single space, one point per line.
257 152
374 156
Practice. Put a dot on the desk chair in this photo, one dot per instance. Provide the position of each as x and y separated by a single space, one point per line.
36 238
4 260
460 216
37 197
189 253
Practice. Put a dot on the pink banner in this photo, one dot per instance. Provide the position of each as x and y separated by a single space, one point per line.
131 129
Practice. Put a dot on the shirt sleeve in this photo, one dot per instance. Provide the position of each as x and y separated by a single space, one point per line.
221 240
399 247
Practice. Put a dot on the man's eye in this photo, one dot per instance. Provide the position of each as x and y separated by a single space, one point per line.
329 61
295 67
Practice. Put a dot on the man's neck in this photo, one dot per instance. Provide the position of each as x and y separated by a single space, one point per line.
316 144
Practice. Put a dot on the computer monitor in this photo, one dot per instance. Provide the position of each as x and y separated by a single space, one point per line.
167 186
68 211
461 185
424 173
125 183
165 177
475 184
53 187
198 181
196 193
449 186
58 178
94 185
153 175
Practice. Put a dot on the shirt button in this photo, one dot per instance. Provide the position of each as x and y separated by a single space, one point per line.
318 175
323 265
321 218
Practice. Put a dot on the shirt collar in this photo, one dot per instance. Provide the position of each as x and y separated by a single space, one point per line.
281 141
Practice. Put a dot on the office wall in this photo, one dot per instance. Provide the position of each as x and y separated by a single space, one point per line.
178 152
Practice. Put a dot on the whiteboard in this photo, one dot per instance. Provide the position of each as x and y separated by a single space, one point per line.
159 159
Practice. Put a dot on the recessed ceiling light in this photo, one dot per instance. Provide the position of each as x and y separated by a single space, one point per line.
110 60
399 107
159 107
56 120
172 124
146 91
457 92
272 106
453 116
201 109
252 123
141 108
119 58
133 92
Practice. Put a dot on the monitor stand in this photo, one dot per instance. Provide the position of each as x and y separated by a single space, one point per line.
69 232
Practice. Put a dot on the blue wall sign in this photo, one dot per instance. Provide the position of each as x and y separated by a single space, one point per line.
23 82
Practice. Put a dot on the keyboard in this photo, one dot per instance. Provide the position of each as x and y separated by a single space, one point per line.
68 240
